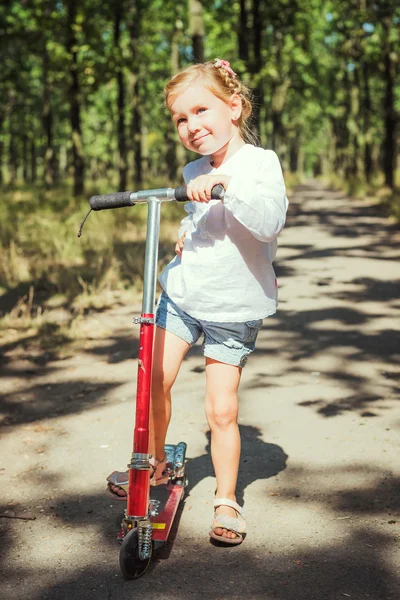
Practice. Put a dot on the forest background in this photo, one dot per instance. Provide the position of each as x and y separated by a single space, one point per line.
81 112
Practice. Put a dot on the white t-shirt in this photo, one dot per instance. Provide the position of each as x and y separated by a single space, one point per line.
225 273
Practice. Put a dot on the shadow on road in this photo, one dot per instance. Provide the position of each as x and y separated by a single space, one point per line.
355 566
259 460
357 563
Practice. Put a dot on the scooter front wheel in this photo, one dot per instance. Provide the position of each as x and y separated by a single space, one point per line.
131 565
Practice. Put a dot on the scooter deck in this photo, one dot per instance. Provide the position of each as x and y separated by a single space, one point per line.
165 499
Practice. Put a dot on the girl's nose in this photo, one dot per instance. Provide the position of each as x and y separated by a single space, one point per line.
193 125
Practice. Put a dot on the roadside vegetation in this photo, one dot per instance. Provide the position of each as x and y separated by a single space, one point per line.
81 113
50 279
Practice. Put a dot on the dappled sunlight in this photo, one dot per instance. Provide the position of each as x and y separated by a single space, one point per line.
319 428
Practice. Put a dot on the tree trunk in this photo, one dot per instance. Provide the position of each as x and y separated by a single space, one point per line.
317 167
355 129
341 131
196 28
12 144
367 110
175 153
279 93
49 173
122 151
137 134
25 159
135 19
33 160
279 96
63 163
277 130
2 122
172 148
294 153
77 150
12 160
258 25
243 36
293 157
389 152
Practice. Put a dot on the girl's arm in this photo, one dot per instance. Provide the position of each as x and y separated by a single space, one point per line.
258 201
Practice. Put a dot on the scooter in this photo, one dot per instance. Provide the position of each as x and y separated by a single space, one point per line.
147 519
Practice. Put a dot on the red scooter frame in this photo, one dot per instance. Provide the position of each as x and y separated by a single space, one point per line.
147 521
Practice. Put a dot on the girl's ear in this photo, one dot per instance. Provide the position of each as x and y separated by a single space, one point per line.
236 106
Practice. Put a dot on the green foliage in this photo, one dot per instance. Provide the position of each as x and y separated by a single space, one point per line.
310 50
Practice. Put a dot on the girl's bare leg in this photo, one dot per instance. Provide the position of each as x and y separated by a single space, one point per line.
168 354
222 383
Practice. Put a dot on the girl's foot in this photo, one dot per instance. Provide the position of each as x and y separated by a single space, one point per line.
229 524
117 486
229 512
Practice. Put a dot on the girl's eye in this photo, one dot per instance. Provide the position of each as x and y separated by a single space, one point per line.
179 121
200 110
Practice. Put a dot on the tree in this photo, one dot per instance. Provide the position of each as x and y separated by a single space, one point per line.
74 93
120 78
196 26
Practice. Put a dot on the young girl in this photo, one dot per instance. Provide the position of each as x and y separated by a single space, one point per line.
221 282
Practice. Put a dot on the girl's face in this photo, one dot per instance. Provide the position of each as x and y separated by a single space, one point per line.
205 123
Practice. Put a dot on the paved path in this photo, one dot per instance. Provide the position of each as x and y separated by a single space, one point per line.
320 426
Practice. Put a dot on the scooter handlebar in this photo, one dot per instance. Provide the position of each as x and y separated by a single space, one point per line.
121 199
217 193
116 200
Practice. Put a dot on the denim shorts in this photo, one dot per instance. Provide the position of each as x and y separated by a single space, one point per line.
229 343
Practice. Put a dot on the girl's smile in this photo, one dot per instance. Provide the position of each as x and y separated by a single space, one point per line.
199 138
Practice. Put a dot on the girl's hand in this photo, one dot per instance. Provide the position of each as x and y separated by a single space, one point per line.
199 189
179 245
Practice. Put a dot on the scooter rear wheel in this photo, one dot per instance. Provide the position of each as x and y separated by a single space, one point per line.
131 565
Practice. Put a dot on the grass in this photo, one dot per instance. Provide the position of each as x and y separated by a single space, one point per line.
357 187
50 279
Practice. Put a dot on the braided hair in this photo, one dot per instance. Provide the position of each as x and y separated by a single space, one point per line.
223 83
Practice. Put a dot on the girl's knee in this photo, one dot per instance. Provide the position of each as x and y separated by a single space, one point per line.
223 413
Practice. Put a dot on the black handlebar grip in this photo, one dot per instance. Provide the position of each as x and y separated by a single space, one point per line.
116 200
217 193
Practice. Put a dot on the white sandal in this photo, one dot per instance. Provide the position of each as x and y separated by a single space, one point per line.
235 524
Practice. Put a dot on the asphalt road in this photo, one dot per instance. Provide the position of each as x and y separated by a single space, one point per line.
320 422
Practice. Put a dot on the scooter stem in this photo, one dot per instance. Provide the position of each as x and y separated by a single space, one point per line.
139 474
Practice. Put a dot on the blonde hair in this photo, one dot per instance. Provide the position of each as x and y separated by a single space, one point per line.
222 84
